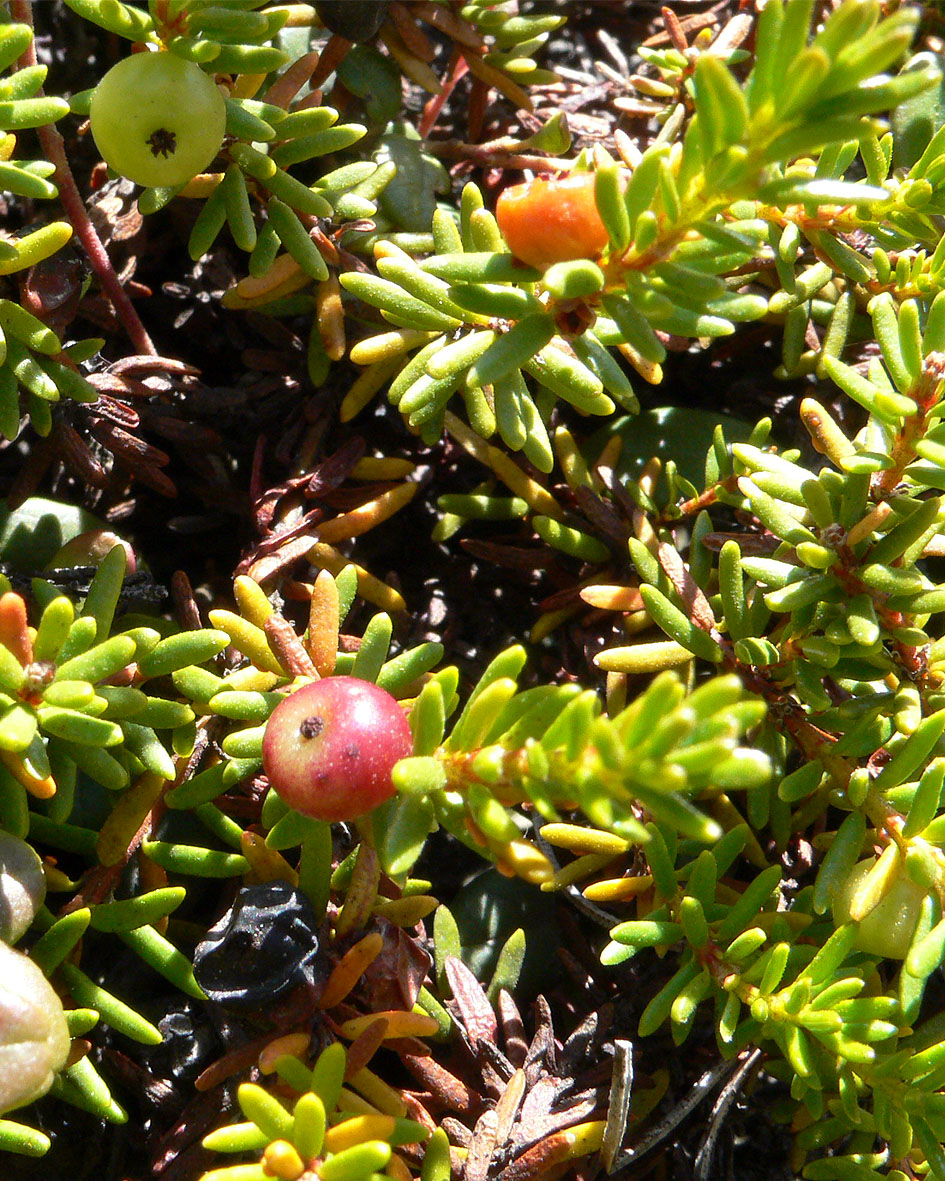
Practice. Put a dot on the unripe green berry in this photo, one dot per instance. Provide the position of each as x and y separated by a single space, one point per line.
157 119
22 886
34 1037
888 928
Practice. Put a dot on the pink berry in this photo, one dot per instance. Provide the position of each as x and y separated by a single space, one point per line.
330 747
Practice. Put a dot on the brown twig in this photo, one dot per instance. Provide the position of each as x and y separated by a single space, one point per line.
493 155
54 148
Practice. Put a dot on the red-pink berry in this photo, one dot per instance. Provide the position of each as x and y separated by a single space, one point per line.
330 747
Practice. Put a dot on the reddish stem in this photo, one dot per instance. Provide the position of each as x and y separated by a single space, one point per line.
54 148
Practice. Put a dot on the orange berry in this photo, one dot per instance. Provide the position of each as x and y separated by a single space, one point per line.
549 221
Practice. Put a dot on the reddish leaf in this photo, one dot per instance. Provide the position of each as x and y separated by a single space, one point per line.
688 590
476 1012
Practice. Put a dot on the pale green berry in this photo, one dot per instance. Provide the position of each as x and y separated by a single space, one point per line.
34 1037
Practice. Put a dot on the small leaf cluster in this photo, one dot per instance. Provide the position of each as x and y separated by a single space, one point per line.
36 370
21 108
515 39
73 699
136 922
327 1130
553 748
791 982
230 36
34 366
668 85
495 43
822 276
